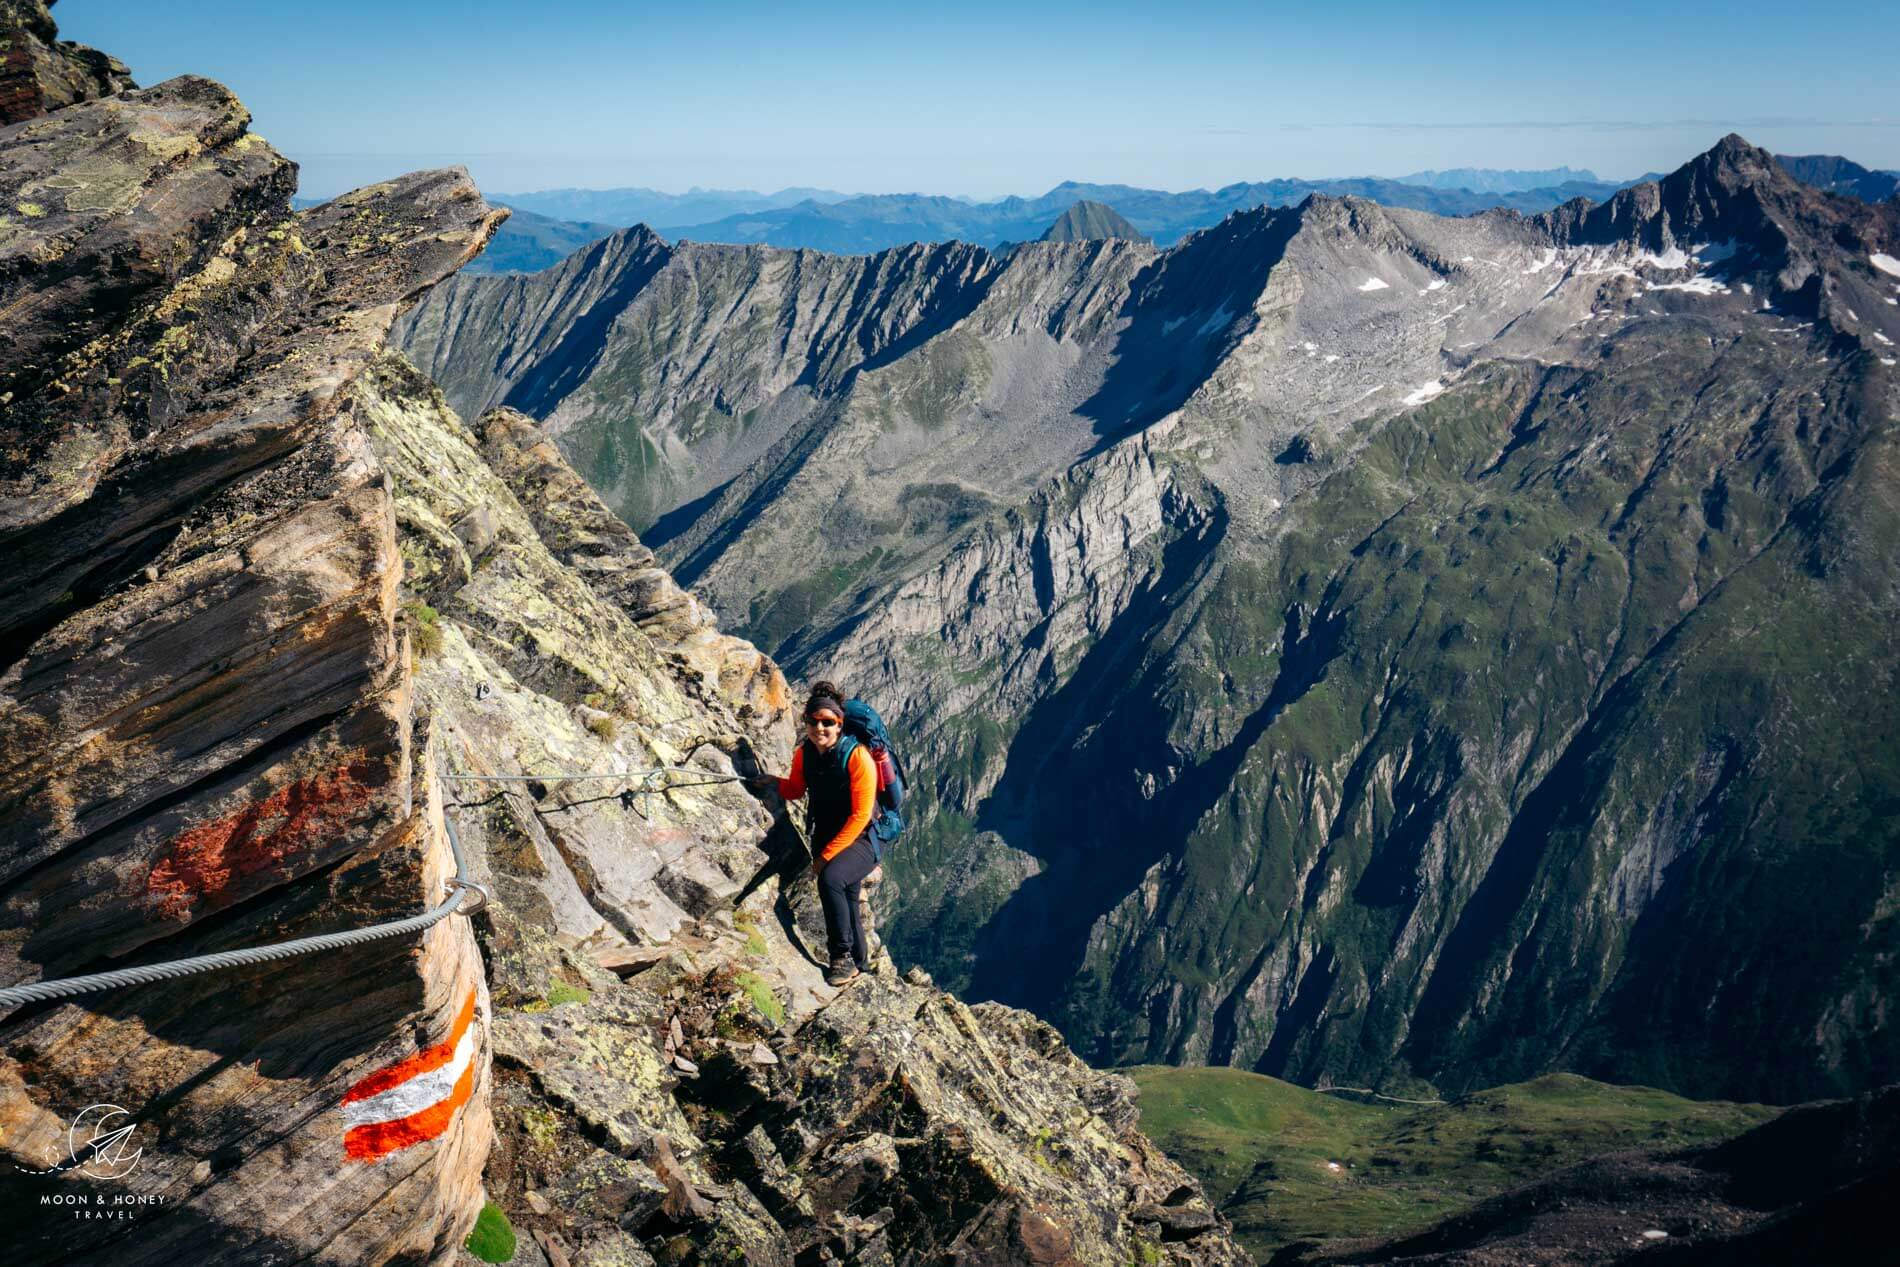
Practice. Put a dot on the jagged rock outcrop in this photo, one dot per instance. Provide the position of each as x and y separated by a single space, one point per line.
41 72
1353 643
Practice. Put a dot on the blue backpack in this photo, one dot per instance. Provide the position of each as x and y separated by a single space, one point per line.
862 723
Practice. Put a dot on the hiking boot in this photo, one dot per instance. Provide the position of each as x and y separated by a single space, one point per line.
841 972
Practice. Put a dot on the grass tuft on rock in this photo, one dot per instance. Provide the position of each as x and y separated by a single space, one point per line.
760 992
424 627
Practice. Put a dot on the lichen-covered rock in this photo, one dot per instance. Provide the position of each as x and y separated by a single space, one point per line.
971 1134
542 667
586 536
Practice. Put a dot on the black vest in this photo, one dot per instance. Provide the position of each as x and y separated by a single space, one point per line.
828 788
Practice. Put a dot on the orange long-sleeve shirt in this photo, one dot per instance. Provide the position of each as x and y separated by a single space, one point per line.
863 774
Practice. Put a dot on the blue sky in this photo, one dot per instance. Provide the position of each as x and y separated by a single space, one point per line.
989 98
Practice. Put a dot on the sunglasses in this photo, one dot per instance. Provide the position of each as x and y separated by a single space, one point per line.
822 723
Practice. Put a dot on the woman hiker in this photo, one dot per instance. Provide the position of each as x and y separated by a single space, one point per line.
841 780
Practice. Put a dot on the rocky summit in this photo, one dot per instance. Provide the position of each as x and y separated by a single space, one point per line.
287 642
1087 220
1351 644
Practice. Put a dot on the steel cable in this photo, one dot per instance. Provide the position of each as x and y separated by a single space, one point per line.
149 974
462 883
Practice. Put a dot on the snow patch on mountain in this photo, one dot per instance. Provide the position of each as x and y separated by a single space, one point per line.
1695 286
1673 258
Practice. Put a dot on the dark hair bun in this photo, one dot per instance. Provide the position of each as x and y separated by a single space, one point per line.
828 689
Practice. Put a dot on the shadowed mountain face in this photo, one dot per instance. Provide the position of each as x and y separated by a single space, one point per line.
1838 175
1351 642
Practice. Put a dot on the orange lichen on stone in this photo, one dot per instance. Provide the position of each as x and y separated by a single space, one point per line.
206 865
777 694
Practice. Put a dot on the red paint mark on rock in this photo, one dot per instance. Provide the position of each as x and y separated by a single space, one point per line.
208 864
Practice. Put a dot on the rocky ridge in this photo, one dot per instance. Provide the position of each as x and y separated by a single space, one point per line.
272 610
677 1080
1445 589
207 713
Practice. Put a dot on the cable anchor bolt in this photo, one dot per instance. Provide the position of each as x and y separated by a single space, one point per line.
482 894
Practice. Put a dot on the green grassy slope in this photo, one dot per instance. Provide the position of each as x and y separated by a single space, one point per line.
1286 1163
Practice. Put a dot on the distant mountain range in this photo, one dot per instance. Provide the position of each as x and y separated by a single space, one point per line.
552 224
1493 180
875 222
624 207
531 242
857 224
1838 175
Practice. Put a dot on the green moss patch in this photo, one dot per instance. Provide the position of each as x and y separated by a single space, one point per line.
493 1240
561 992
425 627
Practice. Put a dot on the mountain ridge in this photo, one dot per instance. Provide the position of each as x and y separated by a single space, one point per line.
1488 180
1097 542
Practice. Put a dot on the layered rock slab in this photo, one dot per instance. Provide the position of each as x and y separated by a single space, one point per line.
206 709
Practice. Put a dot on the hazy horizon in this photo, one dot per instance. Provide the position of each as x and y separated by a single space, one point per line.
987 100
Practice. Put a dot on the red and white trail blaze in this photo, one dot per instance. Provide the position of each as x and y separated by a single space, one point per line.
415 1099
